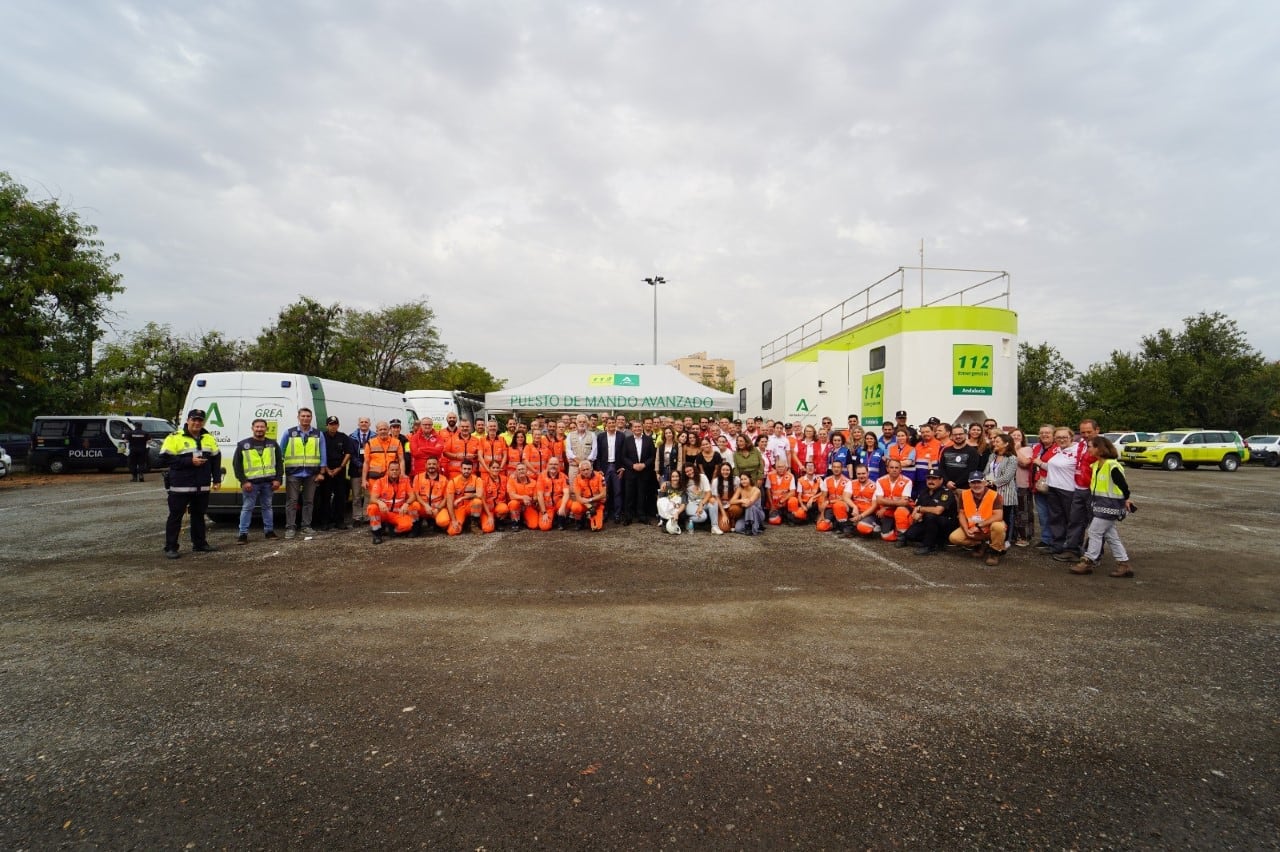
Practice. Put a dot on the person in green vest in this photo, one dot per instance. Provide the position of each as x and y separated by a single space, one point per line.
195 466
1109 504
302 447
259 468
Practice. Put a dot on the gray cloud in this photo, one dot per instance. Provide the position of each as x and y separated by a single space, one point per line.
524 166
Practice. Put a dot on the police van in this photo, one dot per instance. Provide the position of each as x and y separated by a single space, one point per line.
437 405
233 400
61 443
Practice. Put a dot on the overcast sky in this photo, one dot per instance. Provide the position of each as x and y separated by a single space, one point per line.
524 165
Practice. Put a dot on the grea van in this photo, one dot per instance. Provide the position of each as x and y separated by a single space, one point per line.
62 442
233 400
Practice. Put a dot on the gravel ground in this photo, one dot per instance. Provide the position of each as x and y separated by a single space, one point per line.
633 690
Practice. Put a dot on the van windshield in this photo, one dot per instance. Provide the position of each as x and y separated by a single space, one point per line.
154 426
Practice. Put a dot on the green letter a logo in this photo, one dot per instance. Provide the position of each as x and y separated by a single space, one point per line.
213 416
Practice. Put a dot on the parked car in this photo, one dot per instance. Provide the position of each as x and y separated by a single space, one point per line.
1124 439
67 442
16 444
1189 448
1265 449
6 463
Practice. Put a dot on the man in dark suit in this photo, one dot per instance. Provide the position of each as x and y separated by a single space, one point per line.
639 455
609 449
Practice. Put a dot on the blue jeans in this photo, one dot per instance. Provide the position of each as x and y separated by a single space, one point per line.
1042 514
259 496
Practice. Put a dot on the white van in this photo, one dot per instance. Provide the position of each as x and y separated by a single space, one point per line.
233 400
435 405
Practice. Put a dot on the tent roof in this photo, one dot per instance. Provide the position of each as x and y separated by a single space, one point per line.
611 387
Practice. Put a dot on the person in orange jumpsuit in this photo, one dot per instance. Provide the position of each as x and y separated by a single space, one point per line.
465 500
391 501
893 502
587 500
804 506
553 497
836 502
522 498
381 450
492 448
494 490
782 492
461 447
431 497
862 493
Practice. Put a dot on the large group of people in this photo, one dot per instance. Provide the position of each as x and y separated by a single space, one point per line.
978 486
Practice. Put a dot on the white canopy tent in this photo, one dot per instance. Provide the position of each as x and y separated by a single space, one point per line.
611 387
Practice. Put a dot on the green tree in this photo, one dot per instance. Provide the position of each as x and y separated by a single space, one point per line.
1046 387
389 345
721 382
458 375
306 338
1210 372
1205 375
55 283
151 369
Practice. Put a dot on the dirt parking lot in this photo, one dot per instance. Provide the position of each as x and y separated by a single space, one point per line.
631 690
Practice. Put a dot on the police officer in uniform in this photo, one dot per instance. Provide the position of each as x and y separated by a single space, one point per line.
195 464
933 518
137 439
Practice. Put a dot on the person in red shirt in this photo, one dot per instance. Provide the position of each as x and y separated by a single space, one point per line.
425 443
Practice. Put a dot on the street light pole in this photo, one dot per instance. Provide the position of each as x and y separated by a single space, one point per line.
654 282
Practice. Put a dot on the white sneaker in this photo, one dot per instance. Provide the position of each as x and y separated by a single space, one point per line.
673 526
717 531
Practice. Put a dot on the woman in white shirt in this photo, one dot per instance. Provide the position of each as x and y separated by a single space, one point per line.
1059 465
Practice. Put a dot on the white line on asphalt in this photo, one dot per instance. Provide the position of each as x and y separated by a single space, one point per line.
886 561
82 499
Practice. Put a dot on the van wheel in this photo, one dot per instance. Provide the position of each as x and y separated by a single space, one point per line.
1230 462
1273 460
57 466
1173 461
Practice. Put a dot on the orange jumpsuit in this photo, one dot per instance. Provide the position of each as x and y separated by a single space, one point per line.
397 495
781 493
378 453
495 496
470 449
901 515
586 487
552 492
465 500
492 450
518 508
806 499
431 497
834 501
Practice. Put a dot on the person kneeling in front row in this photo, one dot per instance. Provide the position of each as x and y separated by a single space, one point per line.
981 527
933 518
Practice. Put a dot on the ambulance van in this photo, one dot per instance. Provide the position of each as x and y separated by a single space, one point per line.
233 400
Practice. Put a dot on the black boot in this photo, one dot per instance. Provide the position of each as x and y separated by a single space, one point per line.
377 535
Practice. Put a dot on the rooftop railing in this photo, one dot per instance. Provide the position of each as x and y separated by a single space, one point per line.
880 298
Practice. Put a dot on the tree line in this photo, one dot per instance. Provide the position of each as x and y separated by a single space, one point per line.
56 283
1205 375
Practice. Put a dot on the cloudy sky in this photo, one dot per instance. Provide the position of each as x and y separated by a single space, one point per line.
523 165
